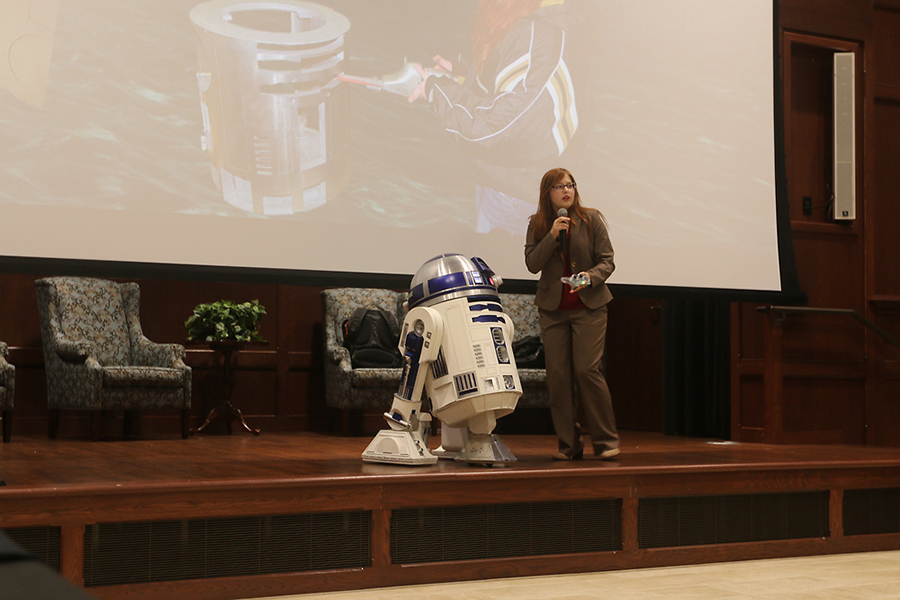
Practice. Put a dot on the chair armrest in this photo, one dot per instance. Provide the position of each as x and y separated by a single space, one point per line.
151 354
341 357
332 343
72 351
4 350
334 350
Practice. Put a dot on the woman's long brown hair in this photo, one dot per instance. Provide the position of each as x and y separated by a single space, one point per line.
493 20
546 214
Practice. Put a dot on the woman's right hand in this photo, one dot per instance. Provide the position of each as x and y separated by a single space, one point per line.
559 225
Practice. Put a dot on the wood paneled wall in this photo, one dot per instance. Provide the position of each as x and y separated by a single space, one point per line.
824 377
279 385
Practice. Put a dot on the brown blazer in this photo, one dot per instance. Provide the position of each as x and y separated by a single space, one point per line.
592 254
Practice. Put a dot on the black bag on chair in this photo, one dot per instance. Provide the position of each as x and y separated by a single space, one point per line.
371 335
529 352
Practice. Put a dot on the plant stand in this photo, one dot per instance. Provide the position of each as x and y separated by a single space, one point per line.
225 409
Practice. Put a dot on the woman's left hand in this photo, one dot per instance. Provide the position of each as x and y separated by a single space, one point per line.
587 283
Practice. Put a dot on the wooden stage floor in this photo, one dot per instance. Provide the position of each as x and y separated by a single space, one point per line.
241 516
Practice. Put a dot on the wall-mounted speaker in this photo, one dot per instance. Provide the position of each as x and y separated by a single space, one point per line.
844 135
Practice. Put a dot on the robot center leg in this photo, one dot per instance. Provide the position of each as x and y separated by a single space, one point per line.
482 424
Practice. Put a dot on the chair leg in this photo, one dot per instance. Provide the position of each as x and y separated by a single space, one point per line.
53 423
7 425
185 423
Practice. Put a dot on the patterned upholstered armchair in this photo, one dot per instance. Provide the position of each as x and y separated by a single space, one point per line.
347 388
96 356
7 389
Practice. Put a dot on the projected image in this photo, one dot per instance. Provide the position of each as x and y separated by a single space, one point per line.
256 133
274 114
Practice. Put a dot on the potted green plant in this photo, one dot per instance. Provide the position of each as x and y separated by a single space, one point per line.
225 320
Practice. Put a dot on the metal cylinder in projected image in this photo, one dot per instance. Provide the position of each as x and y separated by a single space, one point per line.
274 113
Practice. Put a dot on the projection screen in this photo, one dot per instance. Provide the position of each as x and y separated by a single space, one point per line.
281 135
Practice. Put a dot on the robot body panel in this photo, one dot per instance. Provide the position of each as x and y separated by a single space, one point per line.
481 375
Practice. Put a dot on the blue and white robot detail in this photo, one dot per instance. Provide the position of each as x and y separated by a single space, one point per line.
457 345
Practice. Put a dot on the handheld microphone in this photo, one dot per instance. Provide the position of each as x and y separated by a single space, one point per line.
562 234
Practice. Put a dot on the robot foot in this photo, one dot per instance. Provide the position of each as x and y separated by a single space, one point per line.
486 449
399 448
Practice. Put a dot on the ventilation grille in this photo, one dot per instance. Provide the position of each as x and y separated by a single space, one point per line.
439 366
465 384
40 542
422 535
692 521
872 511
124 553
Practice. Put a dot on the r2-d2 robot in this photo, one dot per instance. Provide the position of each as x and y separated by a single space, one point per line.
457 347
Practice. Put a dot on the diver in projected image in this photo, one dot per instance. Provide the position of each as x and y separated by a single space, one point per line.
513 103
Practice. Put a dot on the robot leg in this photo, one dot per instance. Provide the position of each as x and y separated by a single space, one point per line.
482 446
406 442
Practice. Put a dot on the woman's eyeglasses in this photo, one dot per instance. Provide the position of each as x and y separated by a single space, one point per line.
564 186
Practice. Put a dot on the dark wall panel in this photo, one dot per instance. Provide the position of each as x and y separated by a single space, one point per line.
833 377
887 44
851 19
633 363
886 193
752 398
808 129
826 405
823 338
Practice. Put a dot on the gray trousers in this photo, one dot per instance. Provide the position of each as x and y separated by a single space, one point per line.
574 341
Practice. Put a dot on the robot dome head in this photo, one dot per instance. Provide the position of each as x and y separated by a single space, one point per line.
450 276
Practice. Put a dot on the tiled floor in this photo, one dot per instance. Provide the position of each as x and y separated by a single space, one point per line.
867 575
